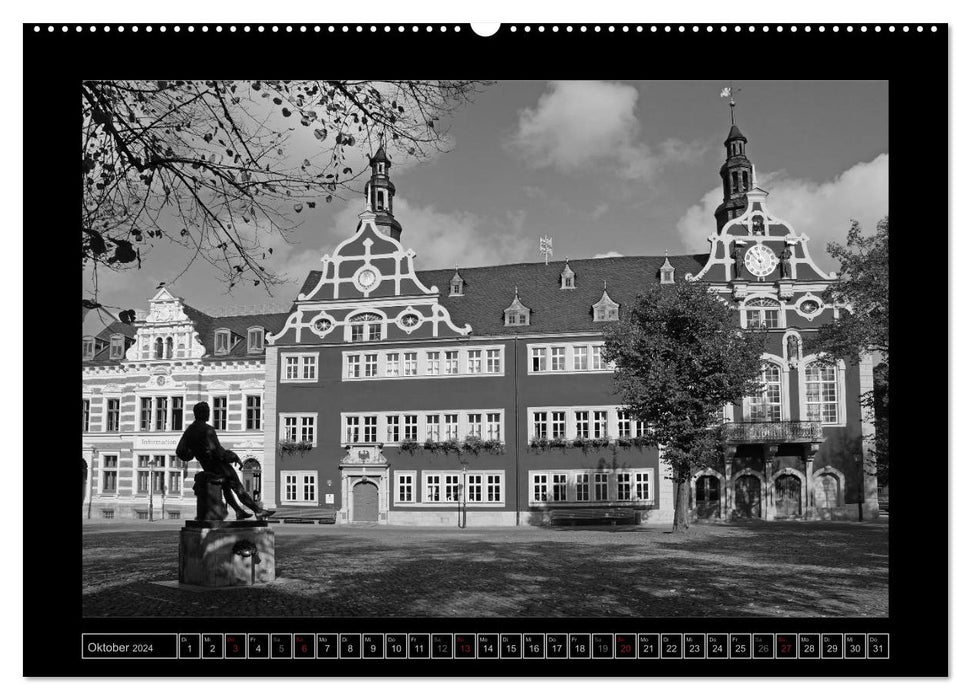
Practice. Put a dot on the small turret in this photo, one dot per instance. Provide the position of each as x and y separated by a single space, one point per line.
379 194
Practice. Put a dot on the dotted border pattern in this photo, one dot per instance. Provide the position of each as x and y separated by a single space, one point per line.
511 28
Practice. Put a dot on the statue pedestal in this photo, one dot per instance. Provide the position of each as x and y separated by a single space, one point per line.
217 554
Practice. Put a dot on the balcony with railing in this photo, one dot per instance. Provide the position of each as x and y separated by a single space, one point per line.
773 432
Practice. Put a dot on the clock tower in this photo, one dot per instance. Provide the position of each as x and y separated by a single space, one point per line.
737 180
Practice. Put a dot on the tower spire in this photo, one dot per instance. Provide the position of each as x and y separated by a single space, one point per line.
379 193
737 172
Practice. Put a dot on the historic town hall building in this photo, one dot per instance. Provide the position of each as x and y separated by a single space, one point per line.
139 385
479 395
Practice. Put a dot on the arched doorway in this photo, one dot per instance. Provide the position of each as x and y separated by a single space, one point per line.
252 475
365 505
707 497
788 496
748 496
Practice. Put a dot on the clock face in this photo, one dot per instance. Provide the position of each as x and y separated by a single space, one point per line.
366 278
760 260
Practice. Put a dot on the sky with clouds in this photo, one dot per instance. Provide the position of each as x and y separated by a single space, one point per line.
604 167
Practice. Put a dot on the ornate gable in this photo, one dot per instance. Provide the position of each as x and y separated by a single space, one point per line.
167 333
369 279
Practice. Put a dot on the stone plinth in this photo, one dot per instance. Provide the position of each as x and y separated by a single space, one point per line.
219 554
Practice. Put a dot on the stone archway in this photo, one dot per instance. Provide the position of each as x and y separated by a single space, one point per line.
364 502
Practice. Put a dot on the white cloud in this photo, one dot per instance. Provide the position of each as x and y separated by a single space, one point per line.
821 210
577 124
609 254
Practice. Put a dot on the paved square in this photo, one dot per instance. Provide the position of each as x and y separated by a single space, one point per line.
750 569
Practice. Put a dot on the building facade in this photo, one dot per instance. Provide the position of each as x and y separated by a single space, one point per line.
479 395
140 383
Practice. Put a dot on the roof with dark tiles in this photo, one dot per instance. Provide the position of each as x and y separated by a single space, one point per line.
488 291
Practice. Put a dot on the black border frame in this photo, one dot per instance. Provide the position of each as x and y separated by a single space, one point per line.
58 60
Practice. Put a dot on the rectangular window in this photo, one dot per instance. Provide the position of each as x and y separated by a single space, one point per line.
475 424
559 487
374 331
623 424
640 428
600 487
310 487
394 428
117 348
112 415
451 362
494 488
583 423
600 424
254 413
433 488
222 342
452 487
583 487
142 482
290 428
406 488
175 482
290 487
493 426
299 487
540 482
642 486
822 399
623 487
432 428
370 429
178 412
353 366
598 357
353 431
85 415
411 364
433 363
539 425
307 428
492 361
220 412
291 368
474 488
475 361
145 414
539 359
391 367
254 340
109 474
580 353
558 424
451 426
558 359
371 365
771 318
411 428
308 365
357 332
161 413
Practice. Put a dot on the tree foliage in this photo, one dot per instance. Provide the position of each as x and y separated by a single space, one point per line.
211 165
680 358
863 288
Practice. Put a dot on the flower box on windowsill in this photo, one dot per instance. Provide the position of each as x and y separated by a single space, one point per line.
290 447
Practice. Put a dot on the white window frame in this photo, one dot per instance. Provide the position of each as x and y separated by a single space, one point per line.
102 468
258 332
392 364
749 402
304 361
221 334
300 426
598 483
459 430
212 410
590 351
840 391
400 477
300 482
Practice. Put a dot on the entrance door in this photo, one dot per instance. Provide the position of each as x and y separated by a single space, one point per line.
788 496
365 506
748 497
707 497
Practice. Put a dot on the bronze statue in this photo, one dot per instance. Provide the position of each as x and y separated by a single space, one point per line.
784 264
218 474
739 254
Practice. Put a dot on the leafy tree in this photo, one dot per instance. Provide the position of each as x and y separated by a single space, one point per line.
863 288
680 357
213 165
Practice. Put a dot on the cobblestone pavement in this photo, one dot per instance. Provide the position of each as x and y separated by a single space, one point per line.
750 569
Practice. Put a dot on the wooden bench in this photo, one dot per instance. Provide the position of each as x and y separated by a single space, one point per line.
305 516
591 515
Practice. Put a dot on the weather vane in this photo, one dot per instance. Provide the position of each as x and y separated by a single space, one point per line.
546 247
730 93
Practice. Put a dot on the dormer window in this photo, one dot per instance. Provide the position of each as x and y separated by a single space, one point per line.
457 285
517 314
254 339
567 278
606 309
117 346
365 327
667 272
223 341
87 348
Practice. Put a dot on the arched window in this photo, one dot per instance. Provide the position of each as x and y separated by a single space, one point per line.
762 312
364 327
159 349
169 344
766 405
822 397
